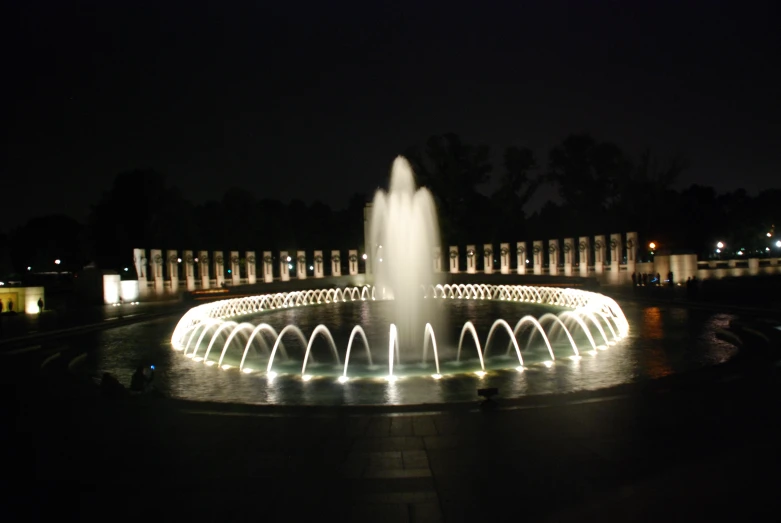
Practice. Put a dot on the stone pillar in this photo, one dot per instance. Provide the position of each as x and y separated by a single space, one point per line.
553 257
504 258
301 265
268 267
352 256
453 259
319 265
631 252
568 251
189 270
284 270
584 253
753 266
600 248
437 259
520 250
537 256
471 259
157 268
172 259
235 268
139 260
252 275
616 252
488 258
203 266
336 263
219 268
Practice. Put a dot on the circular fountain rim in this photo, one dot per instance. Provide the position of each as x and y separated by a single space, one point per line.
568 298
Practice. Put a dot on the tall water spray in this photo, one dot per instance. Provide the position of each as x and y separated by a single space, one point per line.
404 232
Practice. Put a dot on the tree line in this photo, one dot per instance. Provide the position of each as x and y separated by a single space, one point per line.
601 190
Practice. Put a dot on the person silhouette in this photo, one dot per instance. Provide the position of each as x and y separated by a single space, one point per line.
40 305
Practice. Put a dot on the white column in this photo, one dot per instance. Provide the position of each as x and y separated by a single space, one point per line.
157 268
631 253
353 259
319 265
189 270
453 256
252 275
504 258
368 241
584 252
616 255
553 257
600 249
284 270
336 263
173 269
301 265
488 258
235 268
437 259
520 251
219 268
537 256
139 260
471 259
753 266
268 267
568 250
203 265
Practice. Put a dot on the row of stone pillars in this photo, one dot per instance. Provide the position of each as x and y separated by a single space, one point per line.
564 256
151 268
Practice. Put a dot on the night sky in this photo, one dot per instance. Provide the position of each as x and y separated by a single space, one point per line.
314 100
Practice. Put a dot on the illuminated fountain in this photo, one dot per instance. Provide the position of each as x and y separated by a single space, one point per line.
588 322
404 232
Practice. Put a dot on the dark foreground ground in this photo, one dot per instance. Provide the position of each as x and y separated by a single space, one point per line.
699 447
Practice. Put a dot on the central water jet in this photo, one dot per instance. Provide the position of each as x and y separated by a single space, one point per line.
402 239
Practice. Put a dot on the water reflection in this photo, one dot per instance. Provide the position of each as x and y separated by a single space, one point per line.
662 341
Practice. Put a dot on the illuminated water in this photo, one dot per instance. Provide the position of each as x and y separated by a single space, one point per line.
662 341
404 233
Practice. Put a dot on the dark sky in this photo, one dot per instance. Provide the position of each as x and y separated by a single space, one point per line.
314 100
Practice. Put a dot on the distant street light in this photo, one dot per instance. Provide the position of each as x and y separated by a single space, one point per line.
57 262
364 256
652 246
720 245
778 244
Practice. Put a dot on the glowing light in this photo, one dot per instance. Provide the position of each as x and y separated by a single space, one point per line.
769 235
245 370
720 245
343 379
196 260
767 248
29 268
778 244
311 268
718 250
288 258
548 364
652 246
226 367
519 368
125 269
364 256
437 376
210 363
178 260
57 262
289 265
740 253
480 373
271 375
392 378
306 377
